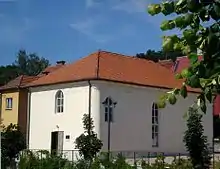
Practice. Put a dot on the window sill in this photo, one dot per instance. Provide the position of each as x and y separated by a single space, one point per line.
8 109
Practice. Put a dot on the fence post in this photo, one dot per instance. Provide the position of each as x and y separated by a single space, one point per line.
134 158
148 158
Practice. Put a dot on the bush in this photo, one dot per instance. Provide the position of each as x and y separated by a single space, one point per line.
13 142
44 160
88 143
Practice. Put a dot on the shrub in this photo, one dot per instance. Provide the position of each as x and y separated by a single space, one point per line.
88 143
13 142
196 142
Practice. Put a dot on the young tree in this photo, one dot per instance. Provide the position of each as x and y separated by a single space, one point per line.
199 24
196 142
88 143
12 142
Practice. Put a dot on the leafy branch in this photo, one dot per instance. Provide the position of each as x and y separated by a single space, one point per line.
199 24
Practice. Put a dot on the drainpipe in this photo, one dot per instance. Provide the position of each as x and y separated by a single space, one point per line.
89 107
0 129
28 119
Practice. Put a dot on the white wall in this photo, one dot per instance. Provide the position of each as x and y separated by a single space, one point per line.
131 129
44 120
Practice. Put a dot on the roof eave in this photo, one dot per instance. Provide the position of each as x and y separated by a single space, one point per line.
109 80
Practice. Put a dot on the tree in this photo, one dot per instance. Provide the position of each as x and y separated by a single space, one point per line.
25 64
199 25
30 64
13 141
159 55
196 142
88 143
8 73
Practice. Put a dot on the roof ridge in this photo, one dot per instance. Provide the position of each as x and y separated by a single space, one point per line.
98 63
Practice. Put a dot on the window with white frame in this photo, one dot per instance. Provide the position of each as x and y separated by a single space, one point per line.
59 102
155 125
9 103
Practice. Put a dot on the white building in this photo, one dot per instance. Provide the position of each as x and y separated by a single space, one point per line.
59 100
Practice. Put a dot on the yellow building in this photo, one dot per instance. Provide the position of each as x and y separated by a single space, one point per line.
14 102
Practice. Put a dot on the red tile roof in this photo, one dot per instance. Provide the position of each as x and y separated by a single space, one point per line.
166 63
18 82
182 63
50 69
104 65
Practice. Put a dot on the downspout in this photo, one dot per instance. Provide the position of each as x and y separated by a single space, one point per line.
28 119
0 107
89 107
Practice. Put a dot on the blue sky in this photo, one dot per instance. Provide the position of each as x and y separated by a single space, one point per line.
70 29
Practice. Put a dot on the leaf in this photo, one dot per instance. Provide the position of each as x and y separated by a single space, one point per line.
172 98
188 18
167 7
154 9
161 104
194 81
185 73
167 25
193 5
179 22
189 35
183 91
176 91
201 102
204 15
193 57
180 2
178 76
208 94
177 46
167 44
203 82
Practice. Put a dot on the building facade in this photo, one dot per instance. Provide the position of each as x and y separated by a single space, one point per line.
136 122
111 88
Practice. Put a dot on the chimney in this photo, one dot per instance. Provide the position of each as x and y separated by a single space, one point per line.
61 62
45 72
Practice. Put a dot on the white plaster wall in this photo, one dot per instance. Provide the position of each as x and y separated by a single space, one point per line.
44 120
131 129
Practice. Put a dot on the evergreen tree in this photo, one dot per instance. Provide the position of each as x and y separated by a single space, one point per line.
195 141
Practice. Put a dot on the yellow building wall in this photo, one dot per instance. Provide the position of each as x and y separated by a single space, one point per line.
11 115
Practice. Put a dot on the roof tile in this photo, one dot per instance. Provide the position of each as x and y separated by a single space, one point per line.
115 67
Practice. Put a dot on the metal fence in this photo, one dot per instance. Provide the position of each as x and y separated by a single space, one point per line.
131 157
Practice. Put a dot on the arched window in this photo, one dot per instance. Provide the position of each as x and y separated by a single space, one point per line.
59 102
155 125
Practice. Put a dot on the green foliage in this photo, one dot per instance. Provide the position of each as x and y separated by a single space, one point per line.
88 143
196 142
30 64
44 160
12 142
159 55
199 26
25 64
